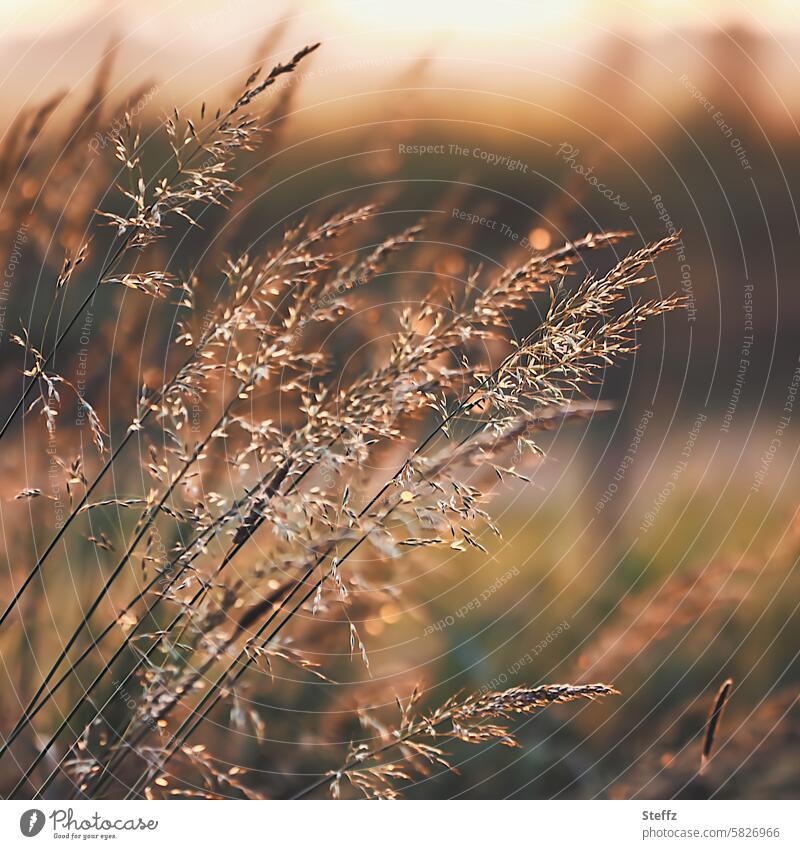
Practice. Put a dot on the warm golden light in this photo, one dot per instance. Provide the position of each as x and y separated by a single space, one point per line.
539 239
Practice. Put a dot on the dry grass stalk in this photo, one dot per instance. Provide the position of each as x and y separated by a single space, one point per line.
419 739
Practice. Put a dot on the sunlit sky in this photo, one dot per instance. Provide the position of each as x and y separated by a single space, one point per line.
151 17
191 44
34 16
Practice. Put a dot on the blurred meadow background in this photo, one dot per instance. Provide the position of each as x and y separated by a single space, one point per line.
654 546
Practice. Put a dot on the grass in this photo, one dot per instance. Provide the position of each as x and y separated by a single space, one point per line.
286 466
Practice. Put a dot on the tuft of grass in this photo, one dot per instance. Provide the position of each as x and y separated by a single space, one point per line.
260 437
